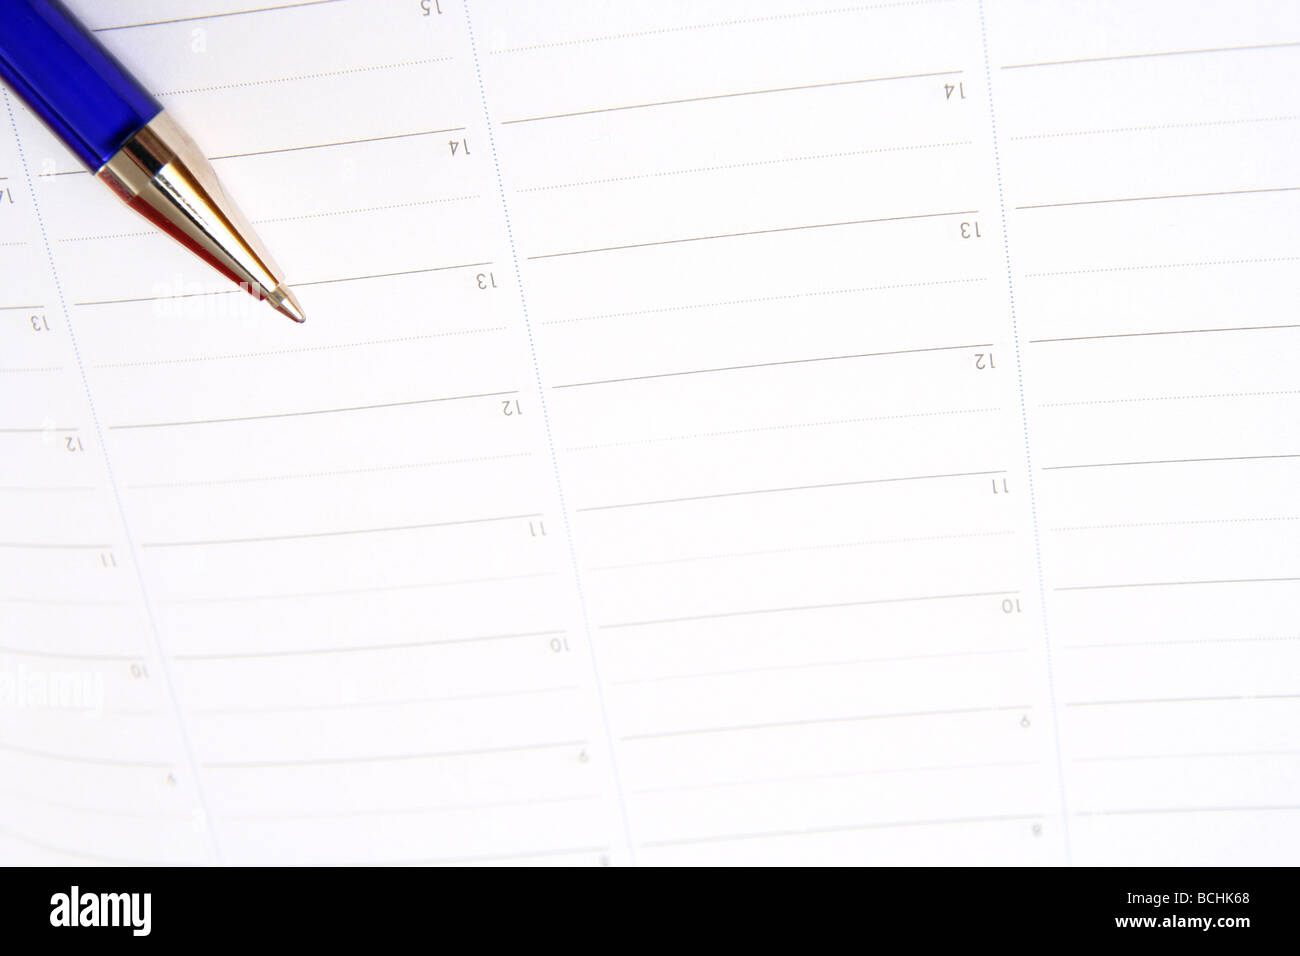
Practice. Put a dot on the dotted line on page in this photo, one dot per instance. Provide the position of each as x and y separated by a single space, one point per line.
1139 129
769 428
812 547
306 76
709 26
330 474
1168 398
1167 265
306 348
1164 524
765 298
756 162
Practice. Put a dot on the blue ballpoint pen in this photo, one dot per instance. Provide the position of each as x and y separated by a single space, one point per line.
127 140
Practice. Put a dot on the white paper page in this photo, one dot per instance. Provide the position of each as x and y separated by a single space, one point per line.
723 433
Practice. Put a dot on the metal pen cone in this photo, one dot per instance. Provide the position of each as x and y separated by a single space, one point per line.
163 175
284 301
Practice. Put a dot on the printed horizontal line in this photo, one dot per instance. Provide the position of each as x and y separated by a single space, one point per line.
62 602
75 758
289 148
73 546
360 648
659 174
1228 698
764 552
38 431
348 592
295 149
42 800
1225 192
783 362
786 426
1158 126
1263 260
1141 810
814 293
46 489
814 665
335 534
1267 393
497 857
799 14
297 77
848 774
842 828
1135 335
413 810
390 275
331 473
1170 584
819 721
806 607
316 411
1182 521
296 284
65 655
387 758
1125 645
755 232
279 353
382 207
772 491
158 298
110 235
80 854
1166 461
340 142
1142 56
391 702
725 96
1208 755
214 16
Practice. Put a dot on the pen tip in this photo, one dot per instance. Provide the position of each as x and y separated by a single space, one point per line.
286 302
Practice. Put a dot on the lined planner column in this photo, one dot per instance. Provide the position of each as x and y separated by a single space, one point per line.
345 527
1153 195
93 768
761 261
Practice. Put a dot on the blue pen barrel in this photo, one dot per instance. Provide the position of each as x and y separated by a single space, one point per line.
85 96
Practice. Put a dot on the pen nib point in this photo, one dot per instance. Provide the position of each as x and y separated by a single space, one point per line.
286 302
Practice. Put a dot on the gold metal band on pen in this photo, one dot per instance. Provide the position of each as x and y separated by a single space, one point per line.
162 174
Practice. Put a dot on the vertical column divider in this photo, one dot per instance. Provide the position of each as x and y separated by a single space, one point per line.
550 441
1024 423
173 699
